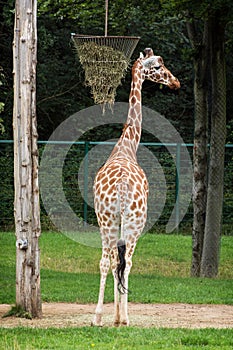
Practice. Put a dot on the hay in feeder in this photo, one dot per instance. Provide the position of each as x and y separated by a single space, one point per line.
104 68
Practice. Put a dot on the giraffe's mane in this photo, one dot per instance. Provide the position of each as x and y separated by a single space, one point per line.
126 125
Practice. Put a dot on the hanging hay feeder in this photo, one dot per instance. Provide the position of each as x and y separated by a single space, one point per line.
105 60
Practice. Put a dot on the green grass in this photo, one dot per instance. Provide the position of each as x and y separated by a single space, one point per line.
115 338
160 272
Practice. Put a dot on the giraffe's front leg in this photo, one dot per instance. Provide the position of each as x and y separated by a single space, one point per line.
104 267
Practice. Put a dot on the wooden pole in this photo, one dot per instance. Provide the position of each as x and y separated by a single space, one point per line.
26 205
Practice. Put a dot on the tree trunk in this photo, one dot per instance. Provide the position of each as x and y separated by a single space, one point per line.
199 176
26 205
210 255
200 143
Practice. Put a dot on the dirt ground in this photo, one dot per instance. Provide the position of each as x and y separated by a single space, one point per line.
141 315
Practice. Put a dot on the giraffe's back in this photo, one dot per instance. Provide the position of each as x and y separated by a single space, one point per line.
121 188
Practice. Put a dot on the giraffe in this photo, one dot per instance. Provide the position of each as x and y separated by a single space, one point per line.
121 191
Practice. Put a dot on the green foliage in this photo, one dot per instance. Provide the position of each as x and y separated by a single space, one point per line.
79 11
2 104
60 76
2 129
7 185
200 8
6 90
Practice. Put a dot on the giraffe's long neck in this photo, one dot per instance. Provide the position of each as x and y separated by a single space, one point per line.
127 145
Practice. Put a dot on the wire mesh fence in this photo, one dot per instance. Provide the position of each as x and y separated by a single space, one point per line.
162 163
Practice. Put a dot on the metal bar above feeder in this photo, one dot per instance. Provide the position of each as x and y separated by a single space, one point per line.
106 17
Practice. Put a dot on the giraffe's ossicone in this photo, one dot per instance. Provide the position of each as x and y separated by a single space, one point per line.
121 191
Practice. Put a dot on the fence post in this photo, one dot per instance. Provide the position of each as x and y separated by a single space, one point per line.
178 147
85 206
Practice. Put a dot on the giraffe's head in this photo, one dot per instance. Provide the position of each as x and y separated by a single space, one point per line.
155 70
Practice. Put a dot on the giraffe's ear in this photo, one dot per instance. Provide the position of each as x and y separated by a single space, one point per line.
141 55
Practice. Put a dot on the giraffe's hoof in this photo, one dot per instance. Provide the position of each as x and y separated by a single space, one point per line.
116 323
97 322
93 324
125 323
96 325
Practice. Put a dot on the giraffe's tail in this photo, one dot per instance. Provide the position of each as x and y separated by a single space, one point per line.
121 246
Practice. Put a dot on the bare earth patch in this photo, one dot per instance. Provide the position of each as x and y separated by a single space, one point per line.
141 315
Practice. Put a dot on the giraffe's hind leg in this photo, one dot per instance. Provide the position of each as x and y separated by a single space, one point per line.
120 297
114 259
104 267
131 239
124 297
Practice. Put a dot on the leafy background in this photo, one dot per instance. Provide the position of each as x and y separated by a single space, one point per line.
60 88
